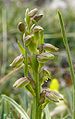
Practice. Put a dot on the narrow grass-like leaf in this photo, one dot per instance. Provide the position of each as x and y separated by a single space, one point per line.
2 113
47 112
16 106
65 40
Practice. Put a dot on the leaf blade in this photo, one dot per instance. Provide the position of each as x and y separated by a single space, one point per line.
47 112
16 106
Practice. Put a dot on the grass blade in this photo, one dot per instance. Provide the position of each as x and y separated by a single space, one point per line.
16 106
47 112
2 113
65 40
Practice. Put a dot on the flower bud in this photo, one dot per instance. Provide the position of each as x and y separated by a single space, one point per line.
33 12
21 82
44 57
21 26
28 39
54 96
50 47
17 61
37 17
37 29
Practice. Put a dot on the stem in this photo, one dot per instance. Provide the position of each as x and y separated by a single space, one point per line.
65 40
36 78
25 62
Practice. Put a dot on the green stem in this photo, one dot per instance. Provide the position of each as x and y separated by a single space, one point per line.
25 61
65 40
36 78
26 64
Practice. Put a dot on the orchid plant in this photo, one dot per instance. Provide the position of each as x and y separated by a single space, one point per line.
34 53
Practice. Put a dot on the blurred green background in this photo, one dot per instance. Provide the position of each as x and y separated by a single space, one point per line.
11 12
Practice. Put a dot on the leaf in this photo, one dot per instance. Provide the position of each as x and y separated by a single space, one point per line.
46 103
2 113
16 106
22 50
65 40
41 37
47 112
10 74
27 18
30 89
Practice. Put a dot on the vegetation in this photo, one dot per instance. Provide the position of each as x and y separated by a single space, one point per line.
69 60
45 87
